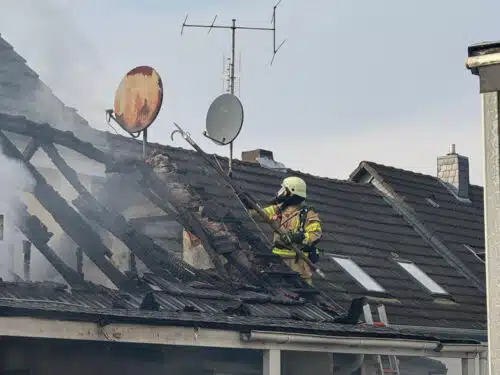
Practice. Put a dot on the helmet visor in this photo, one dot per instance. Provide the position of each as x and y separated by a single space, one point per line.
283 192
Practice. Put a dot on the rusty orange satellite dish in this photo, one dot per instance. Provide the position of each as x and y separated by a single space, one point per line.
138 99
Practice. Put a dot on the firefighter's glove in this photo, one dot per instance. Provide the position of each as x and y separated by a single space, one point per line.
293 237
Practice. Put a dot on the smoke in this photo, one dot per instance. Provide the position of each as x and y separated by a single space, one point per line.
57 50
53 46
16 183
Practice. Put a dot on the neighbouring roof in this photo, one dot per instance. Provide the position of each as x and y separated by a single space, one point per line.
458 223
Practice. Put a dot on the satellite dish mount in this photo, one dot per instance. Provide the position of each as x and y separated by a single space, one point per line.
232 127
138 101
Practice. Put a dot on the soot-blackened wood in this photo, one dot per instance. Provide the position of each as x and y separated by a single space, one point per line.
44 133
188 221
37 233
30 149
235 258
151 254
27 260
141 245
68 219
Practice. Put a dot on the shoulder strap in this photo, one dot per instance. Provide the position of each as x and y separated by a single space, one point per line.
303 218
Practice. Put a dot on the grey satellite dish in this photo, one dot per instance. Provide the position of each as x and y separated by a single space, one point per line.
224 119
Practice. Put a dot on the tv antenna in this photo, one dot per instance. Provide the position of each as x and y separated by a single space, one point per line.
233 27
138 101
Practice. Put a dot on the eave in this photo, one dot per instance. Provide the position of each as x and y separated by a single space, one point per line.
40 328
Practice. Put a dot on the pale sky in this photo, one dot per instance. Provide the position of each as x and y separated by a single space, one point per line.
356 80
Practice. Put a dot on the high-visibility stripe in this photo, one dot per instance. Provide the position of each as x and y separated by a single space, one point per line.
313 227
285 252
270 210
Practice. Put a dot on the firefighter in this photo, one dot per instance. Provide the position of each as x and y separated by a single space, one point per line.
301 225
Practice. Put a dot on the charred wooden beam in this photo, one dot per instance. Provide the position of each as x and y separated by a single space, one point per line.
30 149
142 246
191 224
27 259
44 133
157 189
37 233
79 262
69 220
151 254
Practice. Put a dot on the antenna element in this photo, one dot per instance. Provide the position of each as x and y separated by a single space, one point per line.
233 27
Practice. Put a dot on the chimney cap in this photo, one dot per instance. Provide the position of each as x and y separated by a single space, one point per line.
452 149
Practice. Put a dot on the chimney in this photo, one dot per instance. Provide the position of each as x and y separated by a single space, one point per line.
255 155
453 170
264 158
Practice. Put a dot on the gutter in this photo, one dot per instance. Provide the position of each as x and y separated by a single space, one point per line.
465 333
375 344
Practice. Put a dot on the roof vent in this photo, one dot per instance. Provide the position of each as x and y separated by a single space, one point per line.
453 171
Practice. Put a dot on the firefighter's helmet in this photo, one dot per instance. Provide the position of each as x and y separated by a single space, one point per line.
293 186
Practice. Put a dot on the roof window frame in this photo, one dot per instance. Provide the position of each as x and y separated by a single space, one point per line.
443 294
378 291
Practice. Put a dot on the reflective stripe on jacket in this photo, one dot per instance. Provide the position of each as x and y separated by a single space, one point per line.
290 221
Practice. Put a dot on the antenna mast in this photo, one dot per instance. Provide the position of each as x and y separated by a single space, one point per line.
233 27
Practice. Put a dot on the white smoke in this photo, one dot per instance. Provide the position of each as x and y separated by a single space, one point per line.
16 183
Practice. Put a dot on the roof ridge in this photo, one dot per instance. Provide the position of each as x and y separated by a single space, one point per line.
165 147
375 164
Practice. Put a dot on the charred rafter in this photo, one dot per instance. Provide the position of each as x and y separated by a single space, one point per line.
69 220
30 149
38 234
46 134
141 245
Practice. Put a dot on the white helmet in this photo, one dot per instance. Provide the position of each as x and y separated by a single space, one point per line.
293 186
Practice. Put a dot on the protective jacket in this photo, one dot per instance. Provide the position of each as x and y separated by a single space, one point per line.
293 219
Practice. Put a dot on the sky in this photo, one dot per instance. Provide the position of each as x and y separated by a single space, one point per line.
356 80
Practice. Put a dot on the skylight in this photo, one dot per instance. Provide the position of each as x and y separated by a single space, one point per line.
422 277
358 274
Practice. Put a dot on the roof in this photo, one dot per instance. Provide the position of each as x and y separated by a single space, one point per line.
360 224
458 224
354 216
207 310
249 286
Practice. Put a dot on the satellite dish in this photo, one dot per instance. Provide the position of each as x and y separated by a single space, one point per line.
138 99
224 119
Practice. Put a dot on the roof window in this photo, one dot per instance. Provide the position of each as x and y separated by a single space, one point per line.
358 274
421 277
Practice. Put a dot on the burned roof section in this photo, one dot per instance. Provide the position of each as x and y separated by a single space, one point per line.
245 269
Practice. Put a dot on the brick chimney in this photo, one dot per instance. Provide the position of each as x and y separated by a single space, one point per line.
453 170
254 155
